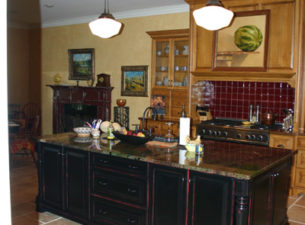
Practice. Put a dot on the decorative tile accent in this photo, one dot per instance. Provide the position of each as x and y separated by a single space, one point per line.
231 99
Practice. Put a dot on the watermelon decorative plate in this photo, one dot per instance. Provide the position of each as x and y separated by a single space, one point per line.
248 38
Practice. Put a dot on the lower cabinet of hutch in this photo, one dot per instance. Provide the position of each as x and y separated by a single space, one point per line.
93 188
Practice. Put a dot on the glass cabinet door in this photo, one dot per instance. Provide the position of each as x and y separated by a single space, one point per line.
180 70
162 63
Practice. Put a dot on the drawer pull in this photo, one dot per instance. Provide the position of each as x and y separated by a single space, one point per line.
102 183
280 146
103 161
131 221
102 211
130 190
132 167
275 174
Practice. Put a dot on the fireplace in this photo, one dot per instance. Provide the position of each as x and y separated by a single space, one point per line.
75 105
76 115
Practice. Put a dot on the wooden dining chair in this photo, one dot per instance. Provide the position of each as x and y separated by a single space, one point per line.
24 143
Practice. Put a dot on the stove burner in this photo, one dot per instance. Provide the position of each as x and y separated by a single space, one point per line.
265 127
223 122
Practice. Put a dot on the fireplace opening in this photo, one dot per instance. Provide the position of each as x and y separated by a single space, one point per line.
76 115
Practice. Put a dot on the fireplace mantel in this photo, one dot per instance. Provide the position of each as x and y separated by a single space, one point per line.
91 96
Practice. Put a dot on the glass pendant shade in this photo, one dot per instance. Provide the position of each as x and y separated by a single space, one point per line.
213 16
105 26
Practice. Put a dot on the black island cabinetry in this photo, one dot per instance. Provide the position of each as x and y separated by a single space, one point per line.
135 185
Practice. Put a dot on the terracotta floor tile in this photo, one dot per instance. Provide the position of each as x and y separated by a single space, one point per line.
63 221
291 200
297 214
47 217
294 223
301 201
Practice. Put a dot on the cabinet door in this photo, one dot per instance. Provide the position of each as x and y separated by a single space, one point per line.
162 63
281 178
181 62
210 200
168 196
52 174
77 191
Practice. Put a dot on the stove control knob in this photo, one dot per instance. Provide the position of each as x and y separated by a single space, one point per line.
260 138
248 137
238 136
219 133
253 137
215 133
225 134
210 132
203 131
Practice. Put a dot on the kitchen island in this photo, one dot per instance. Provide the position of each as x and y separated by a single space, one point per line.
110 182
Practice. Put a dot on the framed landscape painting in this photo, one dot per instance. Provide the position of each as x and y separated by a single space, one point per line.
134 81
243 46
81 64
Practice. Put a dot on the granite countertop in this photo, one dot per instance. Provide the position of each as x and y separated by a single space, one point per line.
240 161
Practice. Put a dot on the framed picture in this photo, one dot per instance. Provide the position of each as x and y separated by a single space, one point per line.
134 81
81 64
244 45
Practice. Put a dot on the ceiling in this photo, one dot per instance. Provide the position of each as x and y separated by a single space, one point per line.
47 13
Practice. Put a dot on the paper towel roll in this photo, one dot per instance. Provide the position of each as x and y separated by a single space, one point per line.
184 129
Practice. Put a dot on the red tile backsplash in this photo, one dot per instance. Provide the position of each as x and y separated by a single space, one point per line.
231 99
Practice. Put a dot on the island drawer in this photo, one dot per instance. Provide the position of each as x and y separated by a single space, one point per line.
120 187
108 213
121 165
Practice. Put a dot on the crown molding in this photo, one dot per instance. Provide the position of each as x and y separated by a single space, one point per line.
121 15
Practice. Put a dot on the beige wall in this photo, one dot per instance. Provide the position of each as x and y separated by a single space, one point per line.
132 47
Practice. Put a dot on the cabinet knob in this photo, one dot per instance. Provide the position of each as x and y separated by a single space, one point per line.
130 190
102 211
103 183
132 167
131 221
103 161
276 174
280 146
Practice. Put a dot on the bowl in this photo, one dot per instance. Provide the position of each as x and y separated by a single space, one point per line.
82 131
268 118
135 140
121 102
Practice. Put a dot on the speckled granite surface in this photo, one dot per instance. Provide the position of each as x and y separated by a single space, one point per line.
224 158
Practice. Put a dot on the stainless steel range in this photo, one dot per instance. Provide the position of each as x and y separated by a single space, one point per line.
235 131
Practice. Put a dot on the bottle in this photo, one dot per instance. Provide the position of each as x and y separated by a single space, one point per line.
183 113
109 132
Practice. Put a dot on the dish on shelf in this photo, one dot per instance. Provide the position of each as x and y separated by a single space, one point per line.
82 131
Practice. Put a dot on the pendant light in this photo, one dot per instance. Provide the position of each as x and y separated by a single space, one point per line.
105 26
213 16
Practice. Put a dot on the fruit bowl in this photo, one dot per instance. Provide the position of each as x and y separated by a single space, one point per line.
131 139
